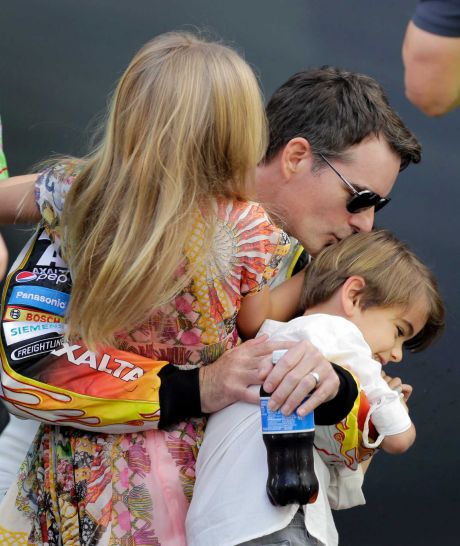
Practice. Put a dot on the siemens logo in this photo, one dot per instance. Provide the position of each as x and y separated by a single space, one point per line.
21 331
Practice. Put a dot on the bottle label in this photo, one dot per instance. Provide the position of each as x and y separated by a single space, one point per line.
274 422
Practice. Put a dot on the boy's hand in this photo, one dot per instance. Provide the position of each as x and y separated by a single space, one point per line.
396 384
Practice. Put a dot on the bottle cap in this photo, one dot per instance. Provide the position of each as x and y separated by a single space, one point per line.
276 355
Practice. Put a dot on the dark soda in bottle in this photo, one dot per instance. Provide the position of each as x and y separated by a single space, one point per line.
289 442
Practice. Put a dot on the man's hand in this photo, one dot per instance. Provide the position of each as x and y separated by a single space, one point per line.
229 378
291 380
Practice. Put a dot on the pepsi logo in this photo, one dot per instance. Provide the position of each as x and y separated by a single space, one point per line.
26 276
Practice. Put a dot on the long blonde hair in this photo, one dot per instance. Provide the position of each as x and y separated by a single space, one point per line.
186 126
393 276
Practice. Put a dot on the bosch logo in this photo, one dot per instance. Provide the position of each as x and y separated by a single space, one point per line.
15 314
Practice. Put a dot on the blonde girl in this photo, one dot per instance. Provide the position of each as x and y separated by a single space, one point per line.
163 243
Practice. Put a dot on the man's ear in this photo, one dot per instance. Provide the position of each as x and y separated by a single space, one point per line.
296 155
350 295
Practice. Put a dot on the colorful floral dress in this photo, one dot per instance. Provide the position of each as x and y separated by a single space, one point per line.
91 489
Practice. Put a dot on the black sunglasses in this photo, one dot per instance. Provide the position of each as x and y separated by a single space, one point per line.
360 200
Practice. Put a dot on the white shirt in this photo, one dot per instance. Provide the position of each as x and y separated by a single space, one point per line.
230 504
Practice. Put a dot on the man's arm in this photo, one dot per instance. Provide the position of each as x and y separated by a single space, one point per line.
432 70
229 378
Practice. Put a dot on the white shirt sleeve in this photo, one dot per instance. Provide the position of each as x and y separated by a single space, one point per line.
341 342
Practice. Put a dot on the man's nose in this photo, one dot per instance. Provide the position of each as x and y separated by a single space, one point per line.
363 221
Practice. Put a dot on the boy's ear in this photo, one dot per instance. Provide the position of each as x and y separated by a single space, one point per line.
295 156
350 294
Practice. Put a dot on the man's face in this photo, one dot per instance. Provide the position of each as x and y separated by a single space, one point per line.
314 204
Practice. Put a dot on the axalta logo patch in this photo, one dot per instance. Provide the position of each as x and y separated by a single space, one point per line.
75 354
26 276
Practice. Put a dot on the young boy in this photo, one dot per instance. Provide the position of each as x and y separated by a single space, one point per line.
364 298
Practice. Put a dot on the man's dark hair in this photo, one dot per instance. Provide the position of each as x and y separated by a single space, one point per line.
334 109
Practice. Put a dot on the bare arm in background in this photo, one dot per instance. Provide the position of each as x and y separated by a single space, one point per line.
17 200
432 70
3 258
17 204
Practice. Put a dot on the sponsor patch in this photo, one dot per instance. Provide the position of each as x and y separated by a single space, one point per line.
38 347
44 276
40 297
29 315
21 331
52 275
51 257
102 362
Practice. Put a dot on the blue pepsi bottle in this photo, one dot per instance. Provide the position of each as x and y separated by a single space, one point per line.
289 442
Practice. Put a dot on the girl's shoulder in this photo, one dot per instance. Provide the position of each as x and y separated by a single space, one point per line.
56 179
51 188
239 212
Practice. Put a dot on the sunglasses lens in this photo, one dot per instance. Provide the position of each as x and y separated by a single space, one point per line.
362 201
381 204
366 200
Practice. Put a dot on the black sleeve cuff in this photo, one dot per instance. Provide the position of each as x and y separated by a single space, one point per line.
179 395
339 407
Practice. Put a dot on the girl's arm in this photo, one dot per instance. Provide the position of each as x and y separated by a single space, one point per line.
17 200
281 304
3 258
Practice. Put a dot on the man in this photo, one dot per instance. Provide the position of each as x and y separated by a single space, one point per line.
335 142
431 55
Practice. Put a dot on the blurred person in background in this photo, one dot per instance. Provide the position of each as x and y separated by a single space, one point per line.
431 56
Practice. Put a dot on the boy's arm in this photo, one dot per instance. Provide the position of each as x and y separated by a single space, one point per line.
17 200
399 443
279 303
285 298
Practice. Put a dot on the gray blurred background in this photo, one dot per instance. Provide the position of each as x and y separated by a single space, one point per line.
59 60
